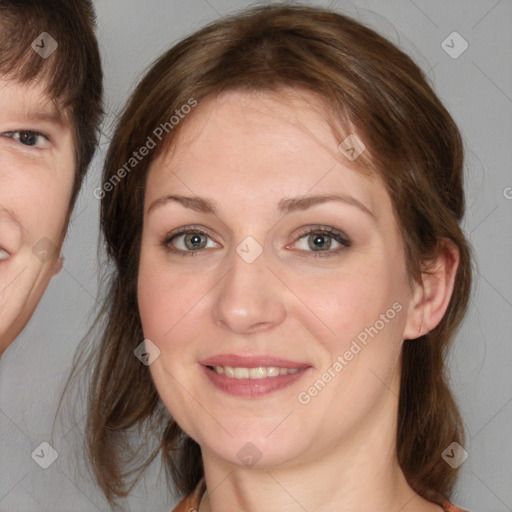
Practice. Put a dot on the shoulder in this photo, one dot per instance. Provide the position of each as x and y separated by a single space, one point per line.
450 507
187 504
190 503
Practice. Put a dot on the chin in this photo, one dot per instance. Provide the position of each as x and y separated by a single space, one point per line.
255 447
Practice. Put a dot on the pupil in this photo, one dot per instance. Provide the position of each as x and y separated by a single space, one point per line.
195 240
319 242
28 138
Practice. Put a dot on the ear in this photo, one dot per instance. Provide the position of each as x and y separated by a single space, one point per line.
430 299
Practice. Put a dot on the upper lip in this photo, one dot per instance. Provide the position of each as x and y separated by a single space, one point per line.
251 361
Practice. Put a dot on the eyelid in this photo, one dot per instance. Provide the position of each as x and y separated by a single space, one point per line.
322 229
187 230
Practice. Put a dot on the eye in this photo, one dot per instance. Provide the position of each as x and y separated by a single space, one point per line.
187 241
319 240
29 138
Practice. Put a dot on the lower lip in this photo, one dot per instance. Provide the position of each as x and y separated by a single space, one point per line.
252 388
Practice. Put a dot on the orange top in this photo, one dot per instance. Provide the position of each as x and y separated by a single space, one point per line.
191 502
449 507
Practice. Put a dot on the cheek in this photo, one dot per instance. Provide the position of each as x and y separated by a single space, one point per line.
344 302
358 316
51 215
42 207
168 300
58 196
154 300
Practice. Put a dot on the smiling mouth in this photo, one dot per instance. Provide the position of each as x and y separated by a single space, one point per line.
252 375
253 381
259 372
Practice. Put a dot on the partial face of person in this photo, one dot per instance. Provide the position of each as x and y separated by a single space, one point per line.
272 280
36 179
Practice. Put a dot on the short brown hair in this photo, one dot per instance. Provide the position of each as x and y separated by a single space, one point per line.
73 73
412 143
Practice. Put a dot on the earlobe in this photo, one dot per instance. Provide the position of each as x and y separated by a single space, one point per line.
431 298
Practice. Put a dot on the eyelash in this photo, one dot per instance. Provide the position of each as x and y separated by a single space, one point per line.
340 237
11 135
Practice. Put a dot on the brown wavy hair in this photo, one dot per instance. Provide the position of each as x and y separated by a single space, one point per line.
368 86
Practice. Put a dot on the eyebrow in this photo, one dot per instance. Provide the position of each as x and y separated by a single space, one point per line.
48 116
47 113
285 206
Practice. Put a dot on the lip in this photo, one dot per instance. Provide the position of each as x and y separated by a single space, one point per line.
252 388
251 361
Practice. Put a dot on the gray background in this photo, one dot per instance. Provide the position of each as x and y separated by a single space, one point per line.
476 88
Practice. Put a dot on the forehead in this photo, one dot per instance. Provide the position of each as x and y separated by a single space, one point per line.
30 102
255 143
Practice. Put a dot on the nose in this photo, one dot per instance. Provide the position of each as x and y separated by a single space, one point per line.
250 298
11 230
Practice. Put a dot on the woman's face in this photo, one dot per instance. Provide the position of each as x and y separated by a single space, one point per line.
279 315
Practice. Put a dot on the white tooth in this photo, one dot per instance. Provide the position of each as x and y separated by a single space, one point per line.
4 255
272 371
241 373
258 373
